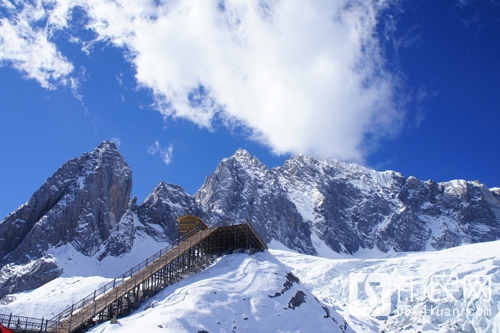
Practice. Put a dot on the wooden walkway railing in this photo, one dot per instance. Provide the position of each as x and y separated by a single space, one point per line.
25 324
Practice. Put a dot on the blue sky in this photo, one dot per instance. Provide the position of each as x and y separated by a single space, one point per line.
404 85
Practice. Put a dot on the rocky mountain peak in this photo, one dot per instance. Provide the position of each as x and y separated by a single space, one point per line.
105 145
346 207
240 152
162 207
243 160
496 192
80 204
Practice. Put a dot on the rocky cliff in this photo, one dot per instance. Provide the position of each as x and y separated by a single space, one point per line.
161 208
242 189
82 203
308 203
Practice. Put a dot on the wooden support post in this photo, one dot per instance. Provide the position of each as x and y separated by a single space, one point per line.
95 304
71 318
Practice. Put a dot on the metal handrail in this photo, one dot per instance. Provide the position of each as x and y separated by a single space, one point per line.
25 323
120 279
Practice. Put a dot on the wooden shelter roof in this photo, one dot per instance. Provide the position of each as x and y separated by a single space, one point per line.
189 222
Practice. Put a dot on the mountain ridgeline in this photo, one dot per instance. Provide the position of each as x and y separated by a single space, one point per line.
308 205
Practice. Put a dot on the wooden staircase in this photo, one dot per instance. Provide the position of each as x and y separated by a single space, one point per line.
196 251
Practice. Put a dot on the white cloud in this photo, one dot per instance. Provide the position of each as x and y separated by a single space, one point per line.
166 153
116 141
154 148
25 44
303 76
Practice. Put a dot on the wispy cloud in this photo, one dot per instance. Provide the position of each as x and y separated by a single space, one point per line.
300 76
116 141
25 44
166 153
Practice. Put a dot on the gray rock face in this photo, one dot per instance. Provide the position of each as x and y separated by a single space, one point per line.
121 238
242 189
162 207
348 207
82 203
32 275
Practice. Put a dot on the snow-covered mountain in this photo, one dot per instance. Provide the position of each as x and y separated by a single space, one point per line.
240 293
81 228
162 206
85 205
86 195
244 189
285 291
309 203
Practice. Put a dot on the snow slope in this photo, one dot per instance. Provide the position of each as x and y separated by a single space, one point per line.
73 263
50 299
242 293
442 298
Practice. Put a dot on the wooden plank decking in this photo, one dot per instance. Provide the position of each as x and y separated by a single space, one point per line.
89 311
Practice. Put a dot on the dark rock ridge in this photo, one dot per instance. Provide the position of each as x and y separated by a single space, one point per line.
162 206
242 189
85 203
307 204
32 275
82 203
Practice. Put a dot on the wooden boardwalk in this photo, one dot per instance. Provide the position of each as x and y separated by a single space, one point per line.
125 293
88 312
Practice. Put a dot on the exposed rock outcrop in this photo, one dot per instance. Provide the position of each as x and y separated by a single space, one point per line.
310 201
162 207
242 189
82 203
14 278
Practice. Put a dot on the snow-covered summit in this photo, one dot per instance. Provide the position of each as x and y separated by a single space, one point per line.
82 222
81 204
310 203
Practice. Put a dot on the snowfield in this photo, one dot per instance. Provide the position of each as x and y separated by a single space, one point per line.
52 298
454 290
240 293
